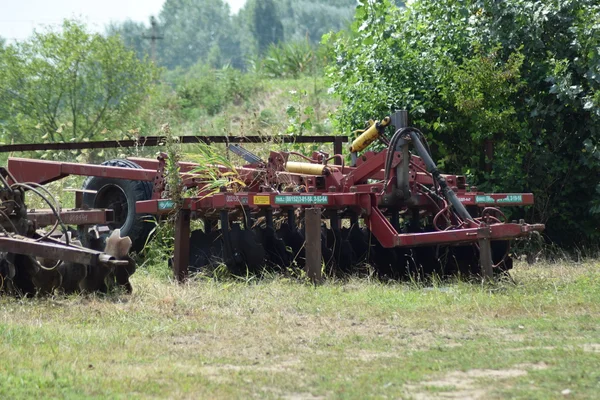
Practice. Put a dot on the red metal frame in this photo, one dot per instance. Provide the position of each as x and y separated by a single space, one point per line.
43 172
45 217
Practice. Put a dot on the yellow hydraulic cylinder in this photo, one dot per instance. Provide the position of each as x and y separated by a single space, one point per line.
305 168
368 136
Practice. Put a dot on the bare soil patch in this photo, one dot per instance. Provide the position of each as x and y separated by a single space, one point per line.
466 384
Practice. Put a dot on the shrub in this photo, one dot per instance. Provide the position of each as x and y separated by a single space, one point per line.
204 90
524 74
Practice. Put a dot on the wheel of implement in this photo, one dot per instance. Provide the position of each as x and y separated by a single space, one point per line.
120 195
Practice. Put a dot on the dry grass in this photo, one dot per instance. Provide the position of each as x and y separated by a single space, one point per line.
283 339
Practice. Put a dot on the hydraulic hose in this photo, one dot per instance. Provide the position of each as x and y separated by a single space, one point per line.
437 176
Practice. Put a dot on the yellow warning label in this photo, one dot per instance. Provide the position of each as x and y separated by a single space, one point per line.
262 200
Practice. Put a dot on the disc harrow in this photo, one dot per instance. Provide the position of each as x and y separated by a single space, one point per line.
34 260
391 210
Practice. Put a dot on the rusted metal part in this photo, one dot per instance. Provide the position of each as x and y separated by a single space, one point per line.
313 244
181 258
45 217
109 260
49 250
42 172
388 236
150 141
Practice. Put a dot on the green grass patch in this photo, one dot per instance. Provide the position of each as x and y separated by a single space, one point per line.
278 338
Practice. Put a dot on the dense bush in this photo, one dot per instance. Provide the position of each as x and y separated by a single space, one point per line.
288 60
203 90
523 74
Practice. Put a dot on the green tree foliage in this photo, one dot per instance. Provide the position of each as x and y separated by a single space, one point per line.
523 73
202 90
69 84
288 60
192 30
311 19
134 35
204 31
265 23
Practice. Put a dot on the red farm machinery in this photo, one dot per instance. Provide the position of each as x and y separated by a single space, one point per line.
391 209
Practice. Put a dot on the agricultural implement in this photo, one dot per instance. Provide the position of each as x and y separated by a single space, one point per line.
390 209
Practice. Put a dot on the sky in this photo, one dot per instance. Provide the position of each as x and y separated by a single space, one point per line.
18 18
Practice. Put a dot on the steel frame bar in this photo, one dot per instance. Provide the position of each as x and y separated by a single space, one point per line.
153 141
389 237
42 172
270 200
51 251
45 217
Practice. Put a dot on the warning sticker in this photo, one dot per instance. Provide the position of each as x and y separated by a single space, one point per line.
262 200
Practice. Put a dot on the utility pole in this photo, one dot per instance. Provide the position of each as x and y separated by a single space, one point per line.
153 37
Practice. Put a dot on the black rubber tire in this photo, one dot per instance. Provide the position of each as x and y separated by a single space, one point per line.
121 195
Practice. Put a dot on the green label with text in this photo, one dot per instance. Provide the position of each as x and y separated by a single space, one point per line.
166 204
301 199
511 198
484 199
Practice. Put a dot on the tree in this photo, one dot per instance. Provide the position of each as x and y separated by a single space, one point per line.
191 28
69 85
301 21
309 19
265 23
134 36
191 31
523 74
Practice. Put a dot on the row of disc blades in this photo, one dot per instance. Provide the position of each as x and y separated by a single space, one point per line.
348 250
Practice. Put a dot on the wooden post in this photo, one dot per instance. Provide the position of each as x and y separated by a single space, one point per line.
182 245
485 254
312 218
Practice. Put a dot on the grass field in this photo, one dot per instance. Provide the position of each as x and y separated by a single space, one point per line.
276 338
